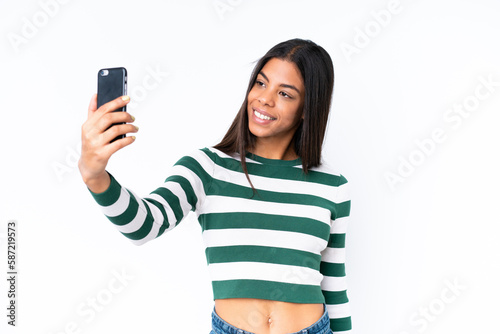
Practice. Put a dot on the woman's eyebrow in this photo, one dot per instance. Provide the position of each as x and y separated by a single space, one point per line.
281 85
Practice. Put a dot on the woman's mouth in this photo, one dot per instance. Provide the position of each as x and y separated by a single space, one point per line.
262 116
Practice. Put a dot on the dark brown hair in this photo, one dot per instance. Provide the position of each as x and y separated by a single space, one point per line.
316 68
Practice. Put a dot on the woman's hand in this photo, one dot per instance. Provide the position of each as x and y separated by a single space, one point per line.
96 138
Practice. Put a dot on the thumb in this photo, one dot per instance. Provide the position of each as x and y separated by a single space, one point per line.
92 105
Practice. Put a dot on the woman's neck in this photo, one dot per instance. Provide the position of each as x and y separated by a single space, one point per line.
274 151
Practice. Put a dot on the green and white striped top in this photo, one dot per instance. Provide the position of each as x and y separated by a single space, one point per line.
286 242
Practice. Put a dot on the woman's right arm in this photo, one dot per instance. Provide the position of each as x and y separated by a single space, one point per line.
139 219
96 140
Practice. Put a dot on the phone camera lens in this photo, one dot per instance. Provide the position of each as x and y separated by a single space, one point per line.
104 72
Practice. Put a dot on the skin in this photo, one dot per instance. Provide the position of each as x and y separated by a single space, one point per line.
273 96
267 316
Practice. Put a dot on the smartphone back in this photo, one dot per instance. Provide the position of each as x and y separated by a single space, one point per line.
111 83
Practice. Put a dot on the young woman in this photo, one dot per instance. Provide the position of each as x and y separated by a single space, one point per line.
273 216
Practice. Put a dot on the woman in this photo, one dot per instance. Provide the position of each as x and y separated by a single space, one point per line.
273 216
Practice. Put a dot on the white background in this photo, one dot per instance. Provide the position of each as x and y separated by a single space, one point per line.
422 255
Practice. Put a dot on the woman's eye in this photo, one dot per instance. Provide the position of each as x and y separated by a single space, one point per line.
285 94
260 83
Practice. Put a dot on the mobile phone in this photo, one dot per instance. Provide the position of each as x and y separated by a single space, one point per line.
111 83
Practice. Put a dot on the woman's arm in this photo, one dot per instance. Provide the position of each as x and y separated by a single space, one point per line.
144 219
139 219
334 284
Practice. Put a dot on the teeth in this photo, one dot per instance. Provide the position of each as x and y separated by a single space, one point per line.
259 115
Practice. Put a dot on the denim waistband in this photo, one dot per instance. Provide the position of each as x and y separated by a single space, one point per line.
322 326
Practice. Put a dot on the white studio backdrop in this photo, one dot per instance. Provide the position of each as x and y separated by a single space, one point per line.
413 128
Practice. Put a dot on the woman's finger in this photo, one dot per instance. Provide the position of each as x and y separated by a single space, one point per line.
114 104
105 121
92 105
111 148
117 130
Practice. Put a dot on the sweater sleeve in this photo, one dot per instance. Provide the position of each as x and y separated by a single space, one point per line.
334 283
144 219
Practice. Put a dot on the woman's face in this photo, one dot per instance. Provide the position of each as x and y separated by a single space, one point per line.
275 102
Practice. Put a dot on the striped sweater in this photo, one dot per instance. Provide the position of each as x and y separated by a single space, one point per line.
286 242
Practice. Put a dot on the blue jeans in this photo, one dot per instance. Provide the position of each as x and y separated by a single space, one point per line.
322 326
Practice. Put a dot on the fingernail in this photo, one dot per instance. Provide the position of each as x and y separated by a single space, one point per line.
136 128
125 97
133 137
133 118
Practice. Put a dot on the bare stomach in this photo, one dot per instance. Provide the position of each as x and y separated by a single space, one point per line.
267 316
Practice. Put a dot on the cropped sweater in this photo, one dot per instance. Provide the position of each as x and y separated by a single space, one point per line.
286 242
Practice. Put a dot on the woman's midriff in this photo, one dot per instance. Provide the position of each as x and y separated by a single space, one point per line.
267 316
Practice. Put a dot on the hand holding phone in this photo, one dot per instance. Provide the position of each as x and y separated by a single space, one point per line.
103 126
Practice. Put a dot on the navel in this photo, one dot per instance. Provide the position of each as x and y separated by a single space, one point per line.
269 320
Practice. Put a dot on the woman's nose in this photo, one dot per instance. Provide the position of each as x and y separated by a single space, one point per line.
266 97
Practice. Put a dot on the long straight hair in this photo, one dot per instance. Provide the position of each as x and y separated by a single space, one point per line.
316 68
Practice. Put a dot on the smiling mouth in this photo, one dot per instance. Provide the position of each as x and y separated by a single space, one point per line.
262 116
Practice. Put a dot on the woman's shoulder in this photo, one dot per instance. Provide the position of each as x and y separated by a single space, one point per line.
209 155
216 156
332 170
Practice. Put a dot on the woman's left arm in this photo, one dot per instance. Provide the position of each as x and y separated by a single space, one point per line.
334 284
